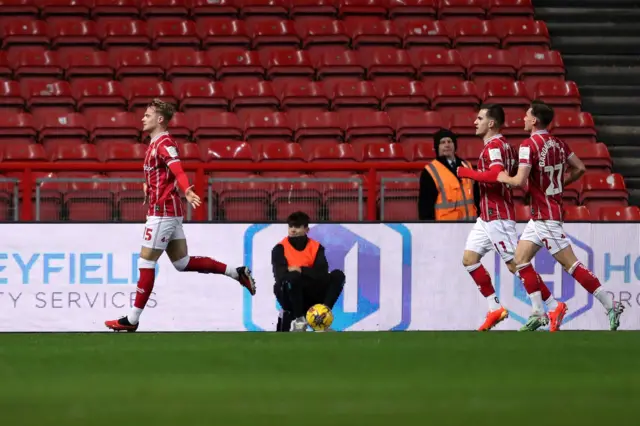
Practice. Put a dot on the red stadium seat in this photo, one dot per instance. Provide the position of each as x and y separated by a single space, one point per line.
322 34
417 34
280 151
523 33
402 96
236 151
22 32
139 95
262 9
330 153
348 9
22 9
142 66
368 127
179 127
208 96
342 199
423 151
257 96
470 149
602 190
484 65
218 125
412 127
5 66
577 214
240 65
537 66
438 65
401 10
383 152
288 65
124 34
73 34
273 33
89 201
10 98
461 9
573 125
122 151
64 8
386 62
455 97
373 33
105 9
463 125
163 8
217 33
54 96
20 153
36 64
68 126
594 155
513 128
80 152
620 214
398 199
511 96
185 66
303 193
79 65
205 9
562 95
349 95
114 125
266 125
315 127
105 96
341 65
510 8
17 127
308 95
174 33
312 9
246 200
472 33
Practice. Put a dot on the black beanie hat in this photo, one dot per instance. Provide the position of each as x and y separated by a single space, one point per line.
444 133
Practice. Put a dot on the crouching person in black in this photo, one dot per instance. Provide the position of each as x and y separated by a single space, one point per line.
302 275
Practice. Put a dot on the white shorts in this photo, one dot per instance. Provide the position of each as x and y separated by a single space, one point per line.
499 235
160 230
546 233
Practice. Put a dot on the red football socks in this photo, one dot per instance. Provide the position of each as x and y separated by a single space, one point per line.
483 281
145 287
205 265
585 277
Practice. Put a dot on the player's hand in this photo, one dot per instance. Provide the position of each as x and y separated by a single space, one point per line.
192 198
295 269
503 177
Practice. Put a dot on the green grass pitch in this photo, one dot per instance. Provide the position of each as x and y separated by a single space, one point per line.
305 379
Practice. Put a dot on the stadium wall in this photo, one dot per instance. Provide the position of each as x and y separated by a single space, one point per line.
71 277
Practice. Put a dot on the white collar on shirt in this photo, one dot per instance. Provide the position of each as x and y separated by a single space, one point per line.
499 135
156 137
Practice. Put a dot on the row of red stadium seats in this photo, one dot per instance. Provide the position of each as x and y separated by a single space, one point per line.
595 155
279 8
225 63
336 94
212 32
367 126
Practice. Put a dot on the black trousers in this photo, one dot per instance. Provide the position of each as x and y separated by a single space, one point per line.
298 295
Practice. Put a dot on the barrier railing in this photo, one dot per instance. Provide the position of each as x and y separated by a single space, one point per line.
399 198
9 199
27 184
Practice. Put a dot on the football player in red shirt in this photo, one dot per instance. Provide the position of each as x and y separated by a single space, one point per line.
163 231
544 160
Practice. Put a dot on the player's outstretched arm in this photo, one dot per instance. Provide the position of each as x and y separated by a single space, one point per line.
490 176
519 180
576 170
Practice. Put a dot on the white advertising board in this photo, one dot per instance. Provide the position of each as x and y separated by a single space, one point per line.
73 277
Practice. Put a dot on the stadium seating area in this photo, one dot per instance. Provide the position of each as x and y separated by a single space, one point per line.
328 82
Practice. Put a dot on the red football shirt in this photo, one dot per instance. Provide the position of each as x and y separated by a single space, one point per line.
547 156
496 199
162 191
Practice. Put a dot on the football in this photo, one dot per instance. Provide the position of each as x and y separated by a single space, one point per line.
319 317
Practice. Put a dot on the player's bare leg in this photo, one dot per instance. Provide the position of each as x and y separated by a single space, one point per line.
147 267
567 258
537 290
496 314
178 253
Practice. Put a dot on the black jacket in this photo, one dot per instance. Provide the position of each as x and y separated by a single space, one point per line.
318 272
429 191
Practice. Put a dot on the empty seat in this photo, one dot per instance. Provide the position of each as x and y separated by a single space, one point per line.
330 152
266 125
218 125
401 10
359 95
114 125
119 33
79 152
486 64
423 151
54 96
100 96
510 9
140 95
258 95
10 97
304 95
455 97
348 9
273 33
334 64
202 96
205 9
236 151
472 33
142 66
511 96
71 126
523 33
368 127
22 32
287 65
64 8
461 9
312 9
576 214
20 9
30 152
240 65
217 33
536 65
594 155
385 62
421 33
74 34
174 33
186 66
85 64
280 151
36 64
122 151
620 214
321 34
154 9
463 125
383 152
5 66
602 189
312 127
373 33
439 65
399 197
298 193
17 127
569 126
561 95
263 9
89 201
105 9
405 96
413 127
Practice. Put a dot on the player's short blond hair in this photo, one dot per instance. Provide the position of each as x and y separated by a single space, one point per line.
164 109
